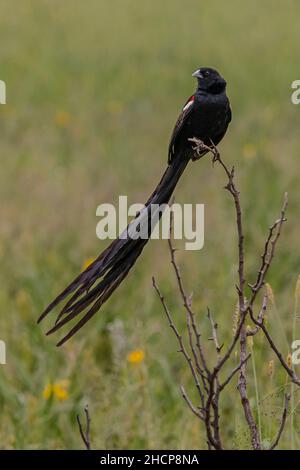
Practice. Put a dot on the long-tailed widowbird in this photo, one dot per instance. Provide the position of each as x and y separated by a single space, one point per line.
206 116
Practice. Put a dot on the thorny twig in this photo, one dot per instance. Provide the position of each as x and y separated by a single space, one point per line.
181 345
85 435
260 318
207 379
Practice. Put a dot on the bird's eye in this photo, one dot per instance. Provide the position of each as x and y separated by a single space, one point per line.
207 73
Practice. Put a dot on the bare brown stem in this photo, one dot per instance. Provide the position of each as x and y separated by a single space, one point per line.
85 435
282 422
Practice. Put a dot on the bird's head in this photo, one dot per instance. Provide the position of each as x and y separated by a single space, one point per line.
209 80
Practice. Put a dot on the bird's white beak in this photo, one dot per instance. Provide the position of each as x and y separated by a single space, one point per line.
197 74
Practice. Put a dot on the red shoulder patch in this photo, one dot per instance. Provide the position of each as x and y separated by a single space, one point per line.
189 102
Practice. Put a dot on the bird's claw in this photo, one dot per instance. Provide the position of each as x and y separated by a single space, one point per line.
200 147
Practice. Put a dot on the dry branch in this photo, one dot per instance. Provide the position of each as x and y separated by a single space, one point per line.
207 379
85 435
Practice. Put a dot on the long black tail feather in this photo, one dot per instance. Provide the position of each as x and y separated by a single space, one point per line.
113 264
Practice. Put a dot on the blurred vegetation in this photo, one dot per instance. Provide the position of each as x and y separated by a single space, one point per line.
93 91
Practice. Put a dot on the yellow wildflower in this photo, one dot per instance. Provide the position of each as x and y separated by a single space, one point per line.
289 360
87 263
47 392
58 390
62 118
136 356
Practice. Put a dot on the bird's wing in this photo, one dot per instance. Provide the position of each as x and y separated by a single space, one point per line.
186 111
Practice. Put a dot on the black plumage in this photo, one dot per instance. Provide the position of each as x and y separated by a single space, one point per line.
206 116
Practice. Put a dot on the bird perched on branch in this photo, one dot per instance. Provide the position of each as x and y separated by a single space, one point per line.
205 116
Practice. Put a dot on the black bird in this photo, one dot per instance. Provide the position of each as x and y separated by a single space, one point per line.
206 116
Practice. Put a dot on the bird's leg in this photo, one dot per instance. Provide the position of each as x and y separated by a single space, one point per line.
200 147
197 148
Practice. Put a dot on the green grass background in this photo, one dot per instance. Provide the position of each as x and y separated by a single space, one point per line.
118 72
